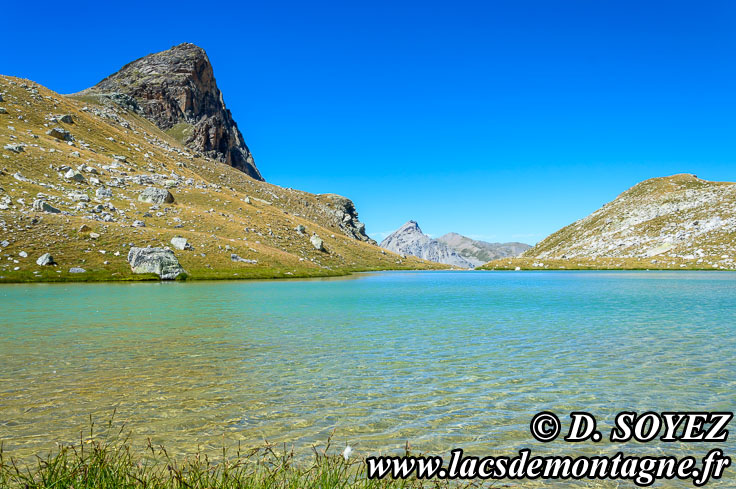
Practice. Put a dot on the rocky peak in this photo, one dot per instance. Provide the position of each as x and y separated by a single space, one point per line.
176 90
410 240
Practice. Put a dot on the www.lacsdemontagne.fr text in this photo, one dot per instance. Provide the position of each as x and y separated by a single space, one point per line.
642 471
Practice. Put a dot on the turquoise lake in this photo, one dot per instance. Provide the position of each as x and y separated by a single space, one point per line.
439 359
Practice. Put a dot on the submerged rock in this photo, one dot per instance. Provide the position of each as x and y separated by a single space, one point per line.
160 261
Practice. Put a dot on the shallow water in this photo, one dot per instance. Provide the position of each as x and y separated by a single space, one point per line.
440 359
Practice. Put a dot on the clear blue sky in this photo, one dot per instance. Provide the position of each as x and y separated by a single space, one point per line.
502 120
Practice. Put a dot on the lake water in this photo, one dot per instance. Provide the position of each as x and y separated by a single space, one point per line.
441 359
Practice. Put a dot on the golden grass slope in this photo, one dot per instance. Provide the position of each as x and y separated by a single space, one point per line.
211 206
676 222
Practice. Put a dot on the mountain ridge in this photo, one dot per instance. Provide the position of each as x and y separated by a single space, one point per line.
78 183
479 252
674 222
410 240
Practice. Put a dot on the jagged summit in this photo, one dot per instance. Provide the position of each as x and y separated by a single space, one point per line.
410 240
176 90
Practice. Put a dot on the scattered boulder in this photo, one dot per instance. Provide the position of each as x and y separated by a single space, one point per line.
237 258
23 254
79 197
139 224
160 261
73 174
66 119
15 148
103 193
3 110
84 229
43 206
77 270
59 133
246 200
300 230
154 195
180 243
45 259
94 235
317 243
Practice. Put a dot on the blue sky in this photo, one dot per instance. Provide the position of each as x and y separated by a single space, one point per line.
500 120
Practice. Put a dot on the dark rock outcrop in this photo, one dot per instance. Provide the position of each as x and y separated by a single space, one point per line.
341 211
176 90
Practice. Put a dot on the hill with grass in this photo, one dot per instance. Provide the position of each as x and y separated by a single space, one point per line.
88 179
675 222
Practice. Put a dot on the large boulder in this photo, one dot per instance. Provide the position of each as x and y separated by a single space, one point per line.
45 259
317 242
160 261
103 193
59 133
43 206
154 195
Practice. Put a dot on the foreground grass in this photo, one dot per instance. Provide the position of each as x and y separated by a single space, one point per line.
112 464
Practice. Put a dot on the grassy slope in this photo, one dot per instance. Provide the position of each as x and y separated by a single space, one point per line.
617 237
212 211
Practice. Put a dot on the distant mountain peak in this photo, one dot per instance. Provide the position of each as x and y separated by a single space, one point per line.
410 240
176 90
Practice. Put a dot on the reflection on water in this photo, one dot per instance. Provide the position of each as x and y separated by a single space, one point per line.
440 359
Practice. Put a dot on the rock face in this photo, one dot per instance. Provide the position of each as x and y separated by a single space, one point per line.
680 218
341 211
160 261
480 252
410 240
176 90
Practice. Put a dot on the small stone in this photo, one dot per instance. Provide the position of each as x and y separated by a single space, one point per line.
300 230
74 175
237 258
103 193
66 119
84 229
139 224
317 243
77 270
15 148
23 254
45 259
79 197
59 133
94 235
43 206
180 243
